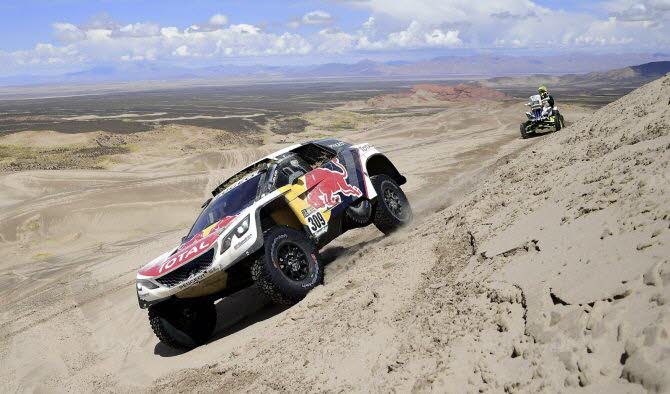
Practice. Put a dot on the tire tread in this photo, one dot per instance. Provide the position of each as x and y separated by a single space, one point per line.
382 218
266 282
162 332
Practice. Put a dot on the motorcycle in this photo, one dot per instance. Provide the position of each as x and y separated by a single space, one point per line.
541 116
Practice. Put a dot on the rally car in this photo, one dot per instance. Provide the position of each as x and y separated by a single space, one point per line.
265 225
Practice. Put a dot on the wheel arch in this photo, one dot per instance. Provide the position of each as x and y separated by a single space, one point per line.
278 212
273 212
379 164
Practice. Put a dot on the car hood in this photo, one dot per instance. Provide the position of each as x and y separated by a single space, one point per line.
189 250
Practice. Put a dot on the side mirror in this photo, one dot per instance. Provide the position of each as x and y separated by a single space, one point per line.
298 181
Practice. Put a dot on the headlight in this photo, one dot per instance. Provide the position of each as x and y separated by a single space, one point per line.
238 231
146 283
242 228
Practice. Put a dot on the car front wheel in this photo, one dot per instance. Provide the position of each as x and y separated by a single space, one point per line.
183 324
289 267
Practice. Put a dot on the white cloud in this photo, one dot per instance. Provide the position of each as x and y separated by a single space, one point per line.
335 41
218 20
245 29
634 24
439 38
317 18
106 41
369 25
654 12
414 36
67 32
181 50
138 30
397 25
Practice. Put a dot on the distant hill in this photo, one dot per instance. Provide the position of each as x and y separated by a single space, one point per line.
653 69
632 76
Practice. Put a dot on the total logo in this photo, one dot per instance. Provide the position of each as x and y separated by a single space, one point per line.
188 252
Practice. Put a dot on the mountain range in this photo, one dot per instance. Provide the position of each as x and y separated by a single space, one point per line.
445 67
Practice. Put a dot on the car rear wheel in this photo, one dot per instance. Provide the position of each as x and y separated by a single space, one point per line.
183 324
558 120
359 214
289 267
392 209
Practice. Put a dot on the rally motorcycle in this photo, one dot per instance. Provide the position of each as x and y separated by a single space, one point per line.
264 226
541 117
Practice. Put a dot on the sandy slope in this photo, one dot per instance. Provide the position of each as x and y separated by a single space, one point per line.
532 265
553 274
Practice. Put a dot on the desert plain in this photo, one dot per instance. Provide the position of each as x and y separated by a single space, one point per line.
537 265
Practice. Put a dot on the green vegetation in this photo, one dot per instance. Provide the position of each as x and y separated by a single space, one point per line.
20 158
337 120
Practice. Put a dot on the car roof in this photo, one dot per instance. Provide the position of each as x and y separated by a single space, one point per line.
330 144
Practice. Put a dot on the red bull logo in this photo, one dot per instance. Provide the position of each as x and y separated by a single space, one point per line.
327 186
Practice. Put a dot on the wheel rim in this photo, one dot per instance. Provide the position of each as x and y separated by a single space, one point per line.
394 202
293 262
186 318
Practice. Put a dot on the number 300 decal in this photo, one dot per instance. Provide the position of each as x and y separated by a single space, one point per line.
317 223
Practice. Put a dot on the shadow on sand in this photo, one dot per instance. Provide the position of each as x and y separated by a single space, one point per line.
249 306
234 313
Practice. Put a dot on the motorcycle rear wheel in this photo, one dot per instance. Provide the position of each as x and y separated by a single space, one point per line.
523 127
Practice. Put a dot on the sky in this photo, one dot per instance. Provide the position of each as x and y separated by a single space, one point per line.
55 36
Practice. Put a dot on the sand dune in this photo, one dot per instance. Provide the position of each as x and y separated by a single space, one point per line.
532 265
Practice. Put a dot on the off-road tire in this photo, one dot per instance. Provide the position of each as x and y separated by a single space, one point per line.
386 218
268 275
559 120
165 323
360 214
522 128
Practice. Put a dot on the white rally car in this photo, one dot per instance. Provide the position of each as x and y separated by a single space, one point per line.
265 225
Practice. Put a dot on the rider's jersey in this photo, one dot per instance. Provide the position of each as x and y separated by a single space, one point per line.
550 101
549 98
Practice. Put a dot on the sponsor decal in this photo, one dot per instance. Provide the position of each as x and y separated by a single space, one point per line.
245 239
193 279
317 224
196 246
307 211
326 186
187 254
337 144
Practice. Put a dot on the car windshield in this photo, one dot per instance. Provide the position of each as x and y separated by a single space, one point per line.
228 204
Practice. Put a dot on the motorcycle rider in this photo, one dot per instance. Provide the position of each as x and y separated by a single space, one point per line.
544 94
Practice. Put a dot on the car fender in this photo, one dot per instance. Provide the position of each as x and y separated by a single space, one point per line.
373 162
365 152
254 234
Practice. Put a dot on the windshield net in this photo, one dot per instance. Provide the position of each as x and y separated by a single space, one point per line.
229 203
